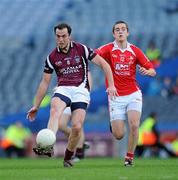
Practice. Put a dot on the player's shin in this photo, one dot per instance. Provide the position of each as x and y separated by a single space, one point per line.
53 125
74 139
72 144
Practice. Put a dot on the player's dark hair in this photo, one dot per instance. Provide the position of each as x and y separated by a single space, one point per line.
62 26
120 22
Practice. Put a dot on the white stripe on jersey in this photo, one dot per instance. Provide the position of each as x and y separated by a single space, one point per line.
85 71
86 51
49 64
130 49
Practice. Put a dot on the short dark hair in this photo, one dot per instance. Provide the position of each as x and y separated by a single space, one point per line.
62 26
120 22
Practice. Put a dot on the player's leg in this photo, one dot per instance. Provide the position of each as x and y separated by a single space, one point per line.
117 110
56 111
133 121
134 109
80 150
118 129
63 126
118 116
80 101
81 147
81 140
58 104
60 100
78 116
63 122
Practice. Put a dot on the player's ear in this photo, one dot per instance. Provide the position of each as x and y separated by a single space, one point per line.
113 34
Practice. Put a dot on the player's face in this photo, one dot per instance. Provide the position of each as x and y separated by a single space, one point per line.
62 38
120 32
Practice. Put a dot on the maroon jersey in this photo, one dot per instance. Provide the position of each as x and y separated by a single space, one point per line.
72 67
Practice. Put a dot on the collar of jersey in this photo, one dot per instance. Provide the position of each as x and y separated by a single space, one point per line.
71 45
128 48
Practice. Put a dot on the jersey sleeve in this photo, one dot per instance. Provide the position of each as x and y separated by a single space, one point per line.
92 54
48 68
142 59
89 53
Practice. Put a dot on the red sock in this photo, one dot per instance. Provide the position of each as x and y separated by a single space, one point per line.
68 155
129 155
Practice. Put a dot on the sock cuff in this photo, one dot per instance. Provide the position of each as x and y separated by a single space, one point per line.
129 154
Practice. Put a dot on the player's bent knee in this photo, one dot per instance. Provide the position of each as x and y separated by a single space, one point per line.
118 135
55 111
77 128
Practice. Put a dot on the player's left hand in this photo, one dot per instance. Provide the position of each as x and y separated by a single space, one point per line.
143 71
112 92
31 114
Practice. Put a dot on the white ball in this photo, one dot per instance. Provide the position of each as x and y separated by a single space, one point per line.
45 137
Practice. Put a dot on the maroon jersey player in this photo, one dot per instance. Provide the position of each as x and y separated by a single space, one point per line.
70 62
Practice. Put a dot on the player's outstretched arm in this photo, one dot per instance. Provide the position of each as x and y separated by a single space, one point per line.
112 92
42 89
147 72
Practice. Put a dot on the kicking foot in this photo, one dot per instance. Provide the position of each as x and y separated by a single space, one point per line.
48 151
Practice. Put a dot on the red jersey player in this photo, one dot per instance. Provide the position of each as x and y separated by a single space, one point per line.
70 62
123 58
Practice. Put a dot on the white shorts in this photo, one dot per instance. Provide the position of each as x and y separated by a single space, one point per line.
120 105
75 94
67 111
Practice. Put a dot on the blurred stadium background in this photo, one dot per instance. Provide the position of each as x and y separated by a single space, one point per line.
26 38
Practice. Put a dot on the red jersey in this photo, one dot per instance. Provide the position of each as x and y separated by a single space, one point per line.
123 63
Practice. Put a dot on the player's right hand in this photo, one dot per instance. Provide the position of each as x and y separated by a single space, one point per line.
31 114
112 92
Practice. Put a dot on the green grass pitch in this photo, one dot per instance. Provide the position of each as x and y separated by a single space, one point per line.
88 169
